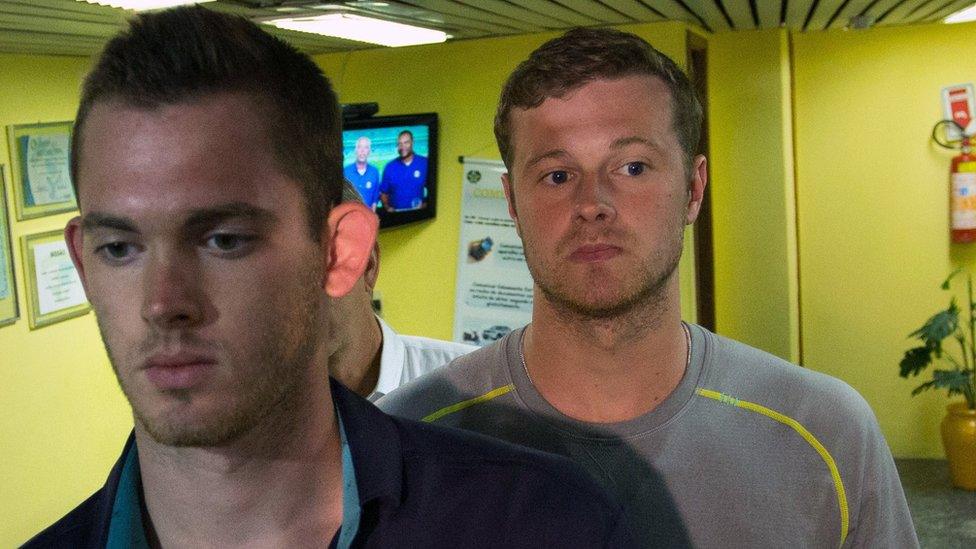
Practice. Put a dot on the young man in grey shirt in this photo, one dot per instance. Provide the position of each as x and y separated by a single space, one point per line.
705 441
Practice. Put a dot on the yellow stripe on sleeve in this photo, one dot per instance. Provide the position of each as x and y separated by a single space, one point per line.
807 436
448 410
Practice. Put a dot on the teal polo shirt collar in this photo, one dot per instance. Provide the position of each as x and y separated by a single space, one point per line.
351 507
126 529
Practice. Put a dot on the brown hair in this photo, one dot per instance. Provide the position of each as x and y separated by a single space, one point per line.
582 55
182 54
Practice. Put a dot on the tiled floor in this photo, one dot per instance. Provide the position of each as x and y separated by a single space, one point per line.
945 517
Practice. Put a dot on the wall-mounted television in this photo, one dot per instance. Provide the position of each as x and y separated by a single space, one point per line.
392 162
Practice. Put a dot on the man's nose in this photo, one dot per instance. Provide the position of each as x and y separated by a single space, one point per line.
594 200
172 294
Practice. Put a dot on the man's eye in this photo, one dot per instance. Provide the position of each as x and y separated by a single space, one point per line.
557 177
115 250
226 242
635 168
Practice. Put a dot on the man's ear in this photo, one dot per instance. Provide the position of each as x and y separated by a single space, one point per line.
74 238
372 268
352 232
510 198
696 188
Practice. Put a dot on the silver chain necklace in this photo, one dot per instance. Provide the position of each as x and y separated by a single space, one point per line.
684 327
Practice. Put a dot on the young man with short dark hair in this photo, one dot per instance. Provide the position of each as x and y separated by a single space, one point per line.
208 170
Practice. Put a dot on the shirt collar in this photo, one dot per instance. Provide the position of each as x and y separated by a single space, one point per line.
371 464
351 509
374 442
126 529
391 361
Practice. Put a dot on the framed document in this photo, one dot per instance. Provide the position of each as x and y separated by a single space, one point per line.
54 289
40 158
9 312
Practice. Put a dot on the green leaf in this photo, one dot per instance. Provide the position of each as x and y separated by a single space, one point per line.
945 284
939 327
923 387
915 360
956 381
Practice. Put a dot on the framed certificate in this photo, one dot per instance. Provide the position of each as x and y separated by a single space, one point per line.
54 289
9 313
40 160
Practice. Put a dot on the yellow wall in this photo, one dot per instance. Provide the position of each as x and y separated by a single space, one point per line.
753 213
867 243
460 81
873 209
64 419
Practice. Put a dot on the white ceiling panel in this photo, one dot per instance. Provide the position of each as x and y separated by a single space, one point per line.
741 14
596 10
556 12
710 12
797 12
921 10
638 11
672 10
895 14
69 27
769 13
506 9
455 9
948 9
843 17
822 13
878 7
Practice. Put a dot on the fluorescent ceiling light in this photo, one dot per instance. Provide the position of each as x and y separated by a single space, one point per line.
962 16
143 5
362 29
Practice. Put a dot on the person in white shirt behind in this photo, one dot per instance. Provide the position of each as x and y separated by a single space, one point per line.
367 356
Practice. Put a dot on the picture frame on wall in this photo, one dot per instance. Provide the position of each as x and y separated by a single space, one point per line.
54 290
9 311
40 166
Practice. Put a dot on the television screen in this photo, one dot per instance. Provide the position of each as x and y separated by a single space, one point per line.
392 162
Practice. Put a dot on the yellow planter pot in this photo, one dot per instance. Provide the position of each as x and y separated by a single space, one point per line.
959 439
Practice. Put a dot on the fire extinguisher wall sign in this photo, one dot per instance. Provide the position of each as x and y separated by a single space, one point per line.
957 105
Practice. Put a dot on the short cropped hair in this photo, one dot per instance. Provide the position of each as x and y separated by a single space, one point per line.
582 55
183 54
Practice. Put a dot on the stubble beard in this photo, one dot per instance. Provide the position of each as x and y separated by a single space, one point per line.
644 298
276 385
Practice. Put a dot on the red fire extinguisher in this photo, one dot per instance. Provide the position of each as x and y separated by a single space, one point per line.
962 184
962 205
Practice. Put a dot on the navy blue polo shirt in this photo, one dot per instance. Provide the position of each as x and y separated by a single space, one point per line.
405 185
367 183
420 485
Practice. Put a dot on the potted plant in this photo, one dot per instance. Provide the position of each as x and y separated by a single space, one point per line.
959 425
